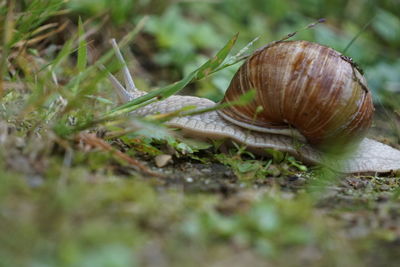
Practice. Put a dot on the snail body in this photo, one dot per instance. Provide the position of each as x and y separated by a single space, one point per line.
278 131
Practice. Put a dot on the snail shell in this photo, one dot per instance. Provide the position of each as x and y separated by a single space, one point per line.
302 86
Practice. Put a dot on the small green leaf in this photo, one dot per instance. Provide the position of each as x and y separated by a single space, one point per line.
277 156
297 164
247 166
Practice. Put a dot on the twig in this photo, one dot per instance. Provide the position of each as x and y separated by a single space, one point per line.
91 139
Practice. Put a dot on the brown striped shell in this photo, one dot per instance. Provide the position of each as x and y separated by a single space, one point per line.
303 86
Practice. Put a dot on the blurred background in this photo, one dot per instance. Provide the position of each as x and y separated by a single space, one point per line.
180 35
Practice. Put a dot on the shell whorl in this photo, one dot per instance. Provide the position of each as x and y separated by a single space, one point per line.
304 86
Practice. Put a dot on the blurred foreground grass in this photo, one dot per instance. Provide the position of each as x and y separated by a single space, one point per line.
67 202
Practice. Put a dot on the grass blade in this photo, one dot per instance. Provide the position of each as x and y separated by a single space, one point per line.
82 49
82 54
164 92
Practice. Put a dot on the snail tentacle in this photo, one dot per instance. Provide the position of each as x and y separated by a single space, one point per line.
123 95
130 91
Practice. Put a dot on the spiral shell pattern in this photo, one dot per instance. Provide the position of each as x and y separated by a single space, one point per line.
305 86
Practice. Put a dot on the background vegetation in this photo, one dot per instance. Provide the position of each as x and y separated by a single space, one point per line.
72 196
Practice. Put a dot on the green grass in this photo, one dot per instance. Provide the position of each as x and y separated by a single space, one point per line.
93 219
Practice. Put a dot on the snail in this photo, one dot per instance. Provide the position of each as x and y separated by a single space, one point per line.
307 95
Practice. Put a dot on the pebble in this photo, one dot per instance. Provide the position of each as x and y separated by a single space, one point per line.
162 160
